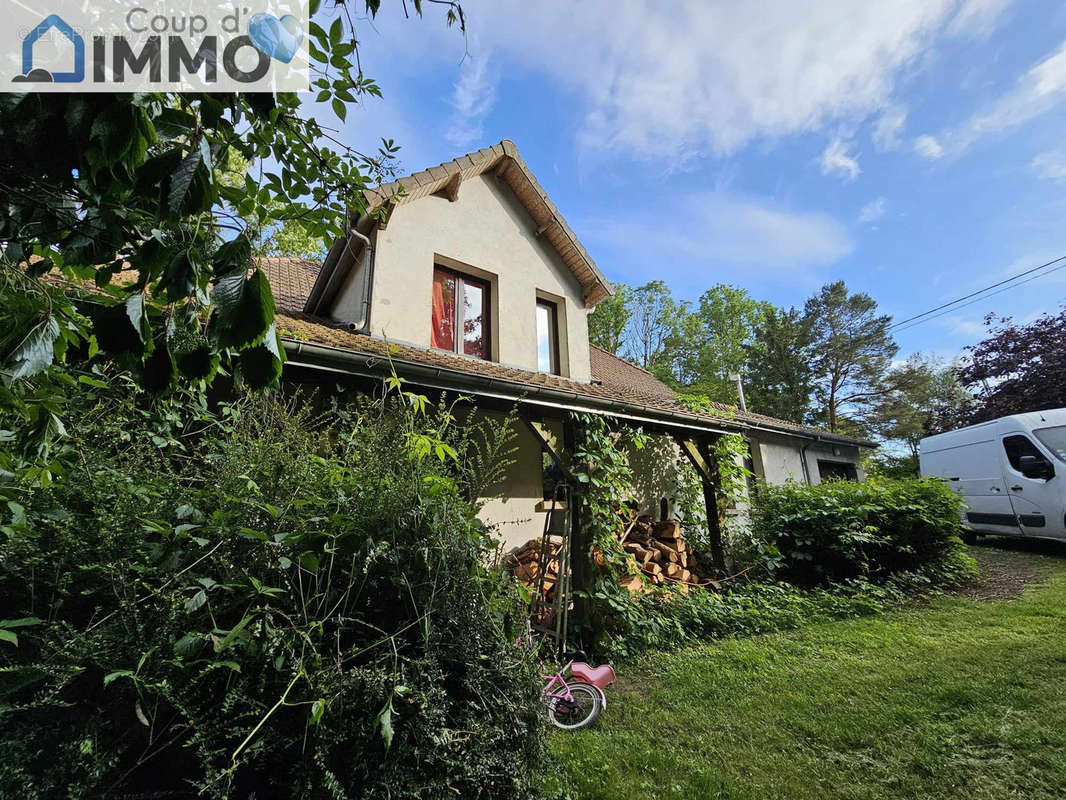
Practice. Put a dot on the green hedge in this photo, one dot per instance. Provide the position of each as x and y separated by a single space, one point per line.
842 530
258 603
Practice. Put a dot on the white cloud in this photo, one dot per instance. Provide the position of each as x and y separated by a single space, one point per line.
888 127
1038 91
472 100
873 211
976 17
730 231
961 326
708 78
928 146
837 161
1051 164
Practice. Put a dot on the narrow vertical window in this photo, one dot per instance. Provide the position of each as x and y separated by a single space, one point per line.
460 314
547 337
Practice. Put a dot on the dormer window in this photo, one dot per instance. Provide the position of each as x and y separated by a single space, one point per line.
547 337
460 317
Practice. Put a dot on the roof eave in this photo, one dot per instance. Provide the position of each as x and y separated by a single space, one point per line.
310 354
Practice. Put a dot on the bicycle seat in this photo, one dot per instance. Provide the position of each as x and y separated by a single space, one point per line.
575 655
600 676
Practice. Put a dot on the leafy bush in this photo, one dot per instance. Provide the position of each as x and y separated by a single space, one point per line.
842 530
832 551
259 603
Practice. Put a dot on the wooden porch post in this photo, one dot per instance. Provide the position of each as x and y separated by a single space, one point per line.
579 546
700 457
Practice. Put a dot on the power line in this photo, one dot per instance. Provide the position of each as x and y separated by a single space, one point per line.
979 299
982 291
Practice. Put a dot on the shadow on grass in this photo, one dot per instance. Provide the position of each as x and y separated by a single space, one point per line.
1037 547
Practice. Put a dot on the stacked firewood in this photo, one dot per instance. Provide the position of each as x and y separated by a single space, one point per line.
662 556
659 550
525 563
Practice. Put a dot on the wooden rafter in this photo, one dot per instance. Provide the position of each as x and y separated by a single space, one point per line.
450 190
698 453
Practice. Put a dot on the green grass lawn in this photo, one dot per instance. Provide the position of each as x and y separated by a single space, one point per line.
962 698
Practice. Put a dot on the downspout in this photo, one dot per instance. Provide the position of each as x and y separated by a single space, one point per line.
368 255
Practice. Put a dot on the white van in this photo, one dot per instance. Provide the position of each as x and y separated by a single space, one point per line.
1011 472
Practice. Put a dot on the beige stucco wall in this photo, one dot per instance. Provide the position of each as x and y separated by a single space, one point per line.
656 474
516 510
488 233
779 459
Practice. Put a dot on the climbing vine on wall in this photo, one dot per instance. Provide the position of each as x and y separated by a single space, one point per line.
730 451
600 466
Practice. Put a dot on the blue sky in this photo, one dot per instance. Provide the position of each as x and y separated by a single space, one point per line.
914 149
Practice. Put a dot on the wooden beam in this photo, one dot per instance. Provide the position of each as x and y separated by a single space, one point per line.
450 190
547 447
580 559
547 225
700 457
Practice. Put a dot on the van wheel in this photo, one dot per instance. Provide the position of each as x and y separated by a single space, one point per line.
969 537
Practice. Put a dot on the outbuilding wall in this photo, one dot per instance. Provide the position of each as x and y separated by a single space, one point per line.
780 458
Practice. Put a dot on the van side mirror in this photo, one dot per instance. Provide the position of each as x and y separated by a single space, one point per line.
1035 467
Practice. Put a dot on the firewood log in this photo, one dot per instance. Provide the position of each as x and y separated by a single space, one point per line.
665 553
633 583
672 570
635 550
667 529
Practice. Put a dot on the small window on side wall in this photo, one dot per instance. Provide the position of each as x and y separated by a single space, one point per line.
460 314
547 337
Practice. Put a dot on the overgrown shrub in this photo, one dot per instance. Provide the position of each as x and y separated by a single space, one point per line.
259 603
842 530
832 551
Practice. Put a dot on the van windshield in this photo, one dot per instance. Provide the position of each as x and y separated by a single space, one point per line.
1054 439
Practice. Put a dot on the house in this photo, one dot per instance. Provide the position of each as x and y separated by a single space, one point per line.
471 282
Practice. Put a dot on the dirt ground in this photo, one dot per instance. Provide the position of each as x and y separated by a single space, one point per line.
1008 566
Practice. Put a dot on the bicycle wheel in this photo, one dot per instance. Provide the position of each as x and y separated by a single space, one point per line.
578 713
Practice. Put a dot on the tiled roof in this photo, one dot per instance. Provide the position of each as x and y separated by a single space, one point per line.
505 162
617 380
291 280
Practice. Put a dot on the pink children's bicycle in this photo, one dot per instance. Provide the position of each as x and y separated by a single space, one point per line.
576 703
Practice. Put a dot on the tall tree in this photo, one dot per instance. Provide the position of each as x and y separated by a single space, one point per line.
679 363
1014 369
95 184
610 318
727 316
279 234
914 393
779 378
852 348
653 314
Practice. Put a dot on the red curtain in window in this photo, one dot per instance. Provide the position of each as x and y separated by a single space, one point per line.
442 334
